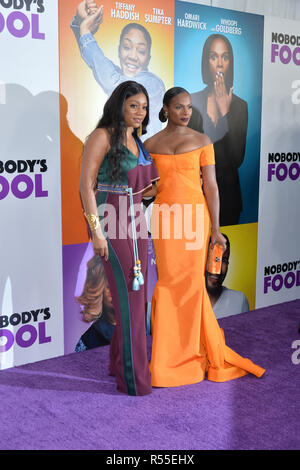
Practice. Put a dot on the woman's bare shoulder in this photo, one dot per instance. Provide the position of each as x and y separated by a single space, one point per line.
152 143
97 144
199 138
99 134
98 138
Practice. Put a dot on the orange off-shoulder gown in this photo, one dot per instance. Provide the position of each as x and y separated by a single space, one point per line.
187 339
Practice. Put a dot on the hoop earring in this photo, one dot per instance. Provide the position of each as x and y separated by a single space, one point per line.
139 131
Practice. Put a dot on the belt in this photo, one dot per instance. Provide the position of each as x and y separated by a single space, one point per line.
138 278
117 189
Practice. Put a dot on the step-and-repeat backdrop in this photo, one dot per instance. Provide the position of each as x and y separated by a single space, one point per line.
58 66
31 290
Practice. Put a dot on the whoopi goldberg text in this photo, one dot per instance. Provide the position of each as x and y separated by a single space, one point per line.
27 334
17 23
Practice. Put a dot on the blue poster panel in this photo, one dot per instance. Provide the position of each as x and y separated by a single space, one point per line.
218 59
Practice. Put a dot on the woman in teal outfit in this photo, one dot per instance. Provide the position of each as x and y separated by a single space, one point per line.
116 163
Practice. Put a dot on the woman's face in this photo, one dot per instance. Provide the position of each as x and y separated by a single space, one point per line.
180 109
218 58
134 54
135 110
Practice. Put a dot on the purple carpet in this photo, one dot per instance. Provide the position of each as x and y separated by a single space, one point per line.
70 402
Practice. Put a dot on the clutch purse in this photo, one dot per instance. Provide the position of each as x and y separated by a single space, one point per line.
214 260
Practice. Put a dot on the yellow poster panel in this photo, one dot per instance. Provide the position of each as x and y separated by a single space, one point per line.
241 274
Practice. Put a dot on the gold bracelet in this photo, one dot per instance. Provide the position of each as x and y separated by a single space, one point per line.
93 221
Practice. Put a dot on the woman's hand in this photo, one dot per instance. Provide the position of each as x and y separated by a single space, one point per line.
85 8
223 99
150 192
91 6
100 244
217 239
92 19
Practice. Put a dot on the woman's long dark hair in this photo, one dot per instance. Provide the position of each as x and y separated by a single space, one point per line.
206 76
113 120
168 96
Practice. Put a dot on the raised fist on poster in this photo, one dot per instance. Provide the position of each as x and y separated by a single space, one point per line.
91 6
90 16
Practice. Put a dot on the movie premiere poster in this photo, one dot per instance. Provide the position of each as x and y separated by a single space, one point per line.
94 59
278 266
31 316
218 59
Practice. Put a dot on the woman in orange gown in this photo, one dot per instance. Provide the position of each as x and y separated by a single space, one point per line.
187 340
